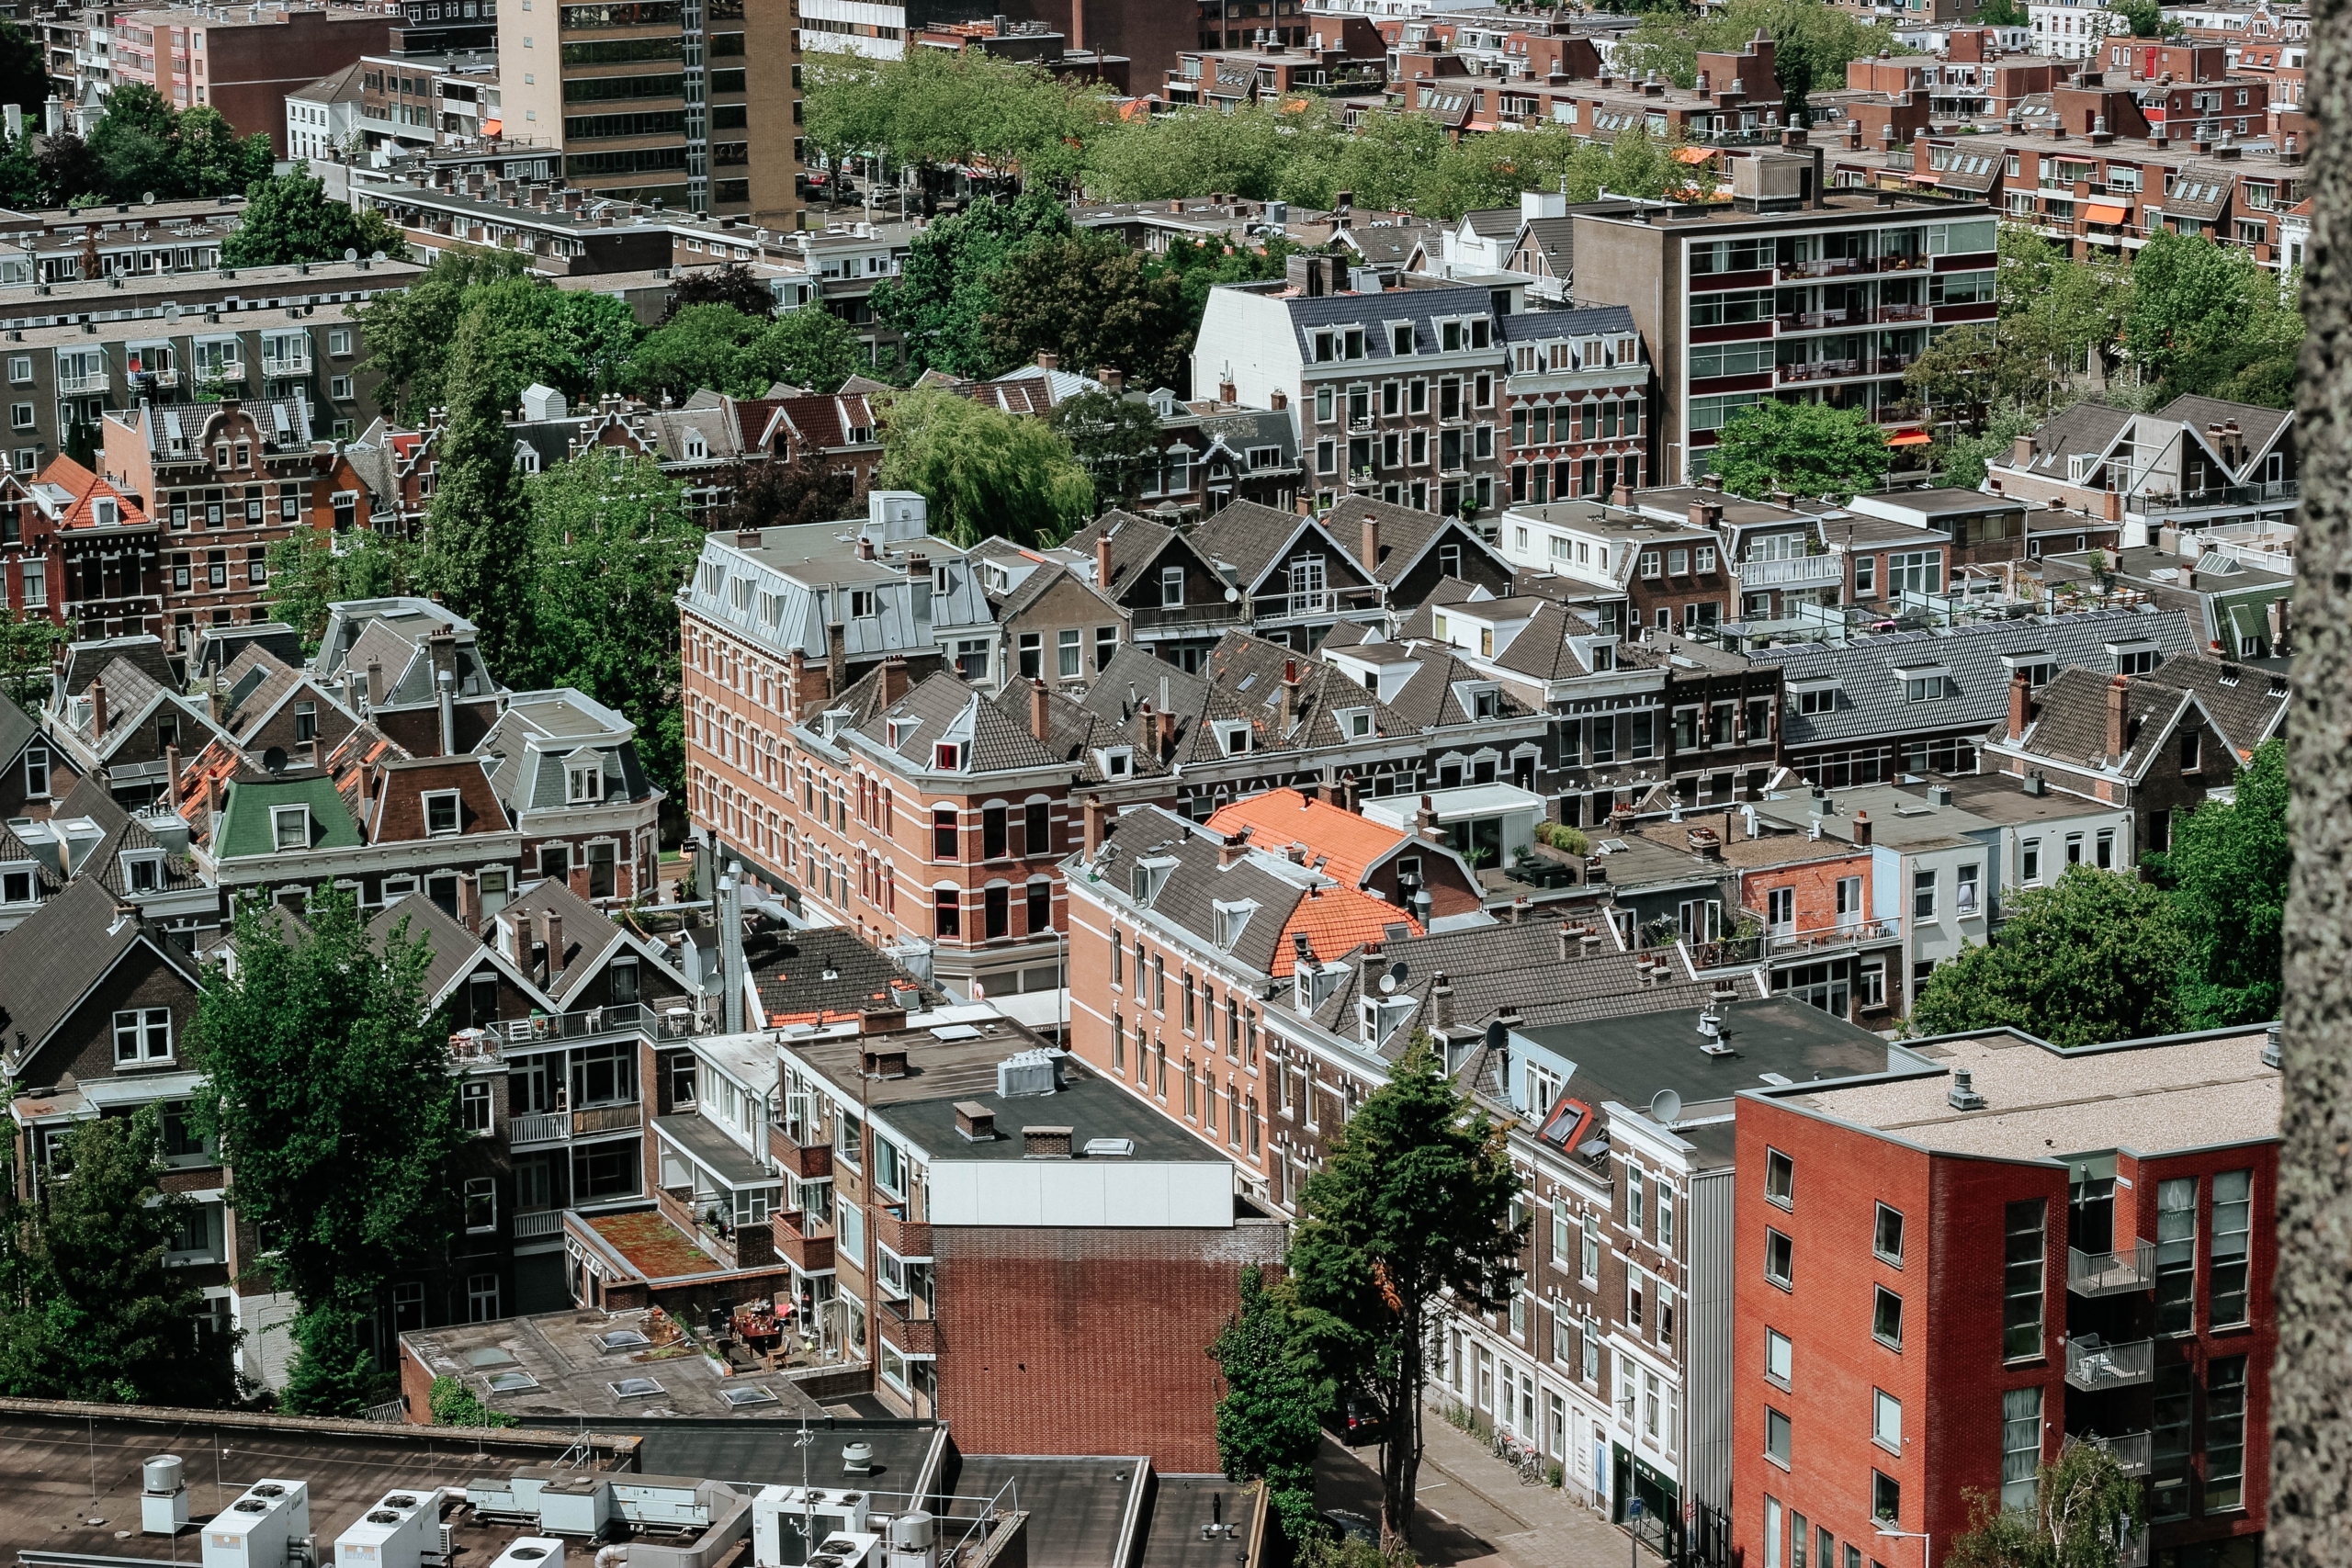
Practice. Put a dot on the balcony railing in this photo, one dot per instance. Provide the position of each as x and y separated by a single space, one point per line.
2093 1364
93 382
1790 572
2131 1268
1901 312
154 377
806 1246
730 1246
910 1324
1813 321
543 1222
2276 493
1291 607
555 1126
545 1127
909 1238
2130 1450
229 370
1830 266
677 1024
287 364
809 1161
598 1119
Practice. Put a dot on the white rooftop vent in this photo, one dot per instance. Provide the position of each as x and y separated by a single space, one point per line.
741 1395
1110 1149
636 1388
532 1551
1030 1072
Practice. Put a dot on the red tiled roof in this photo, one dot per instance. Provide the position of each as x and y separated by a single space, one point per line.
1337 921
1281 818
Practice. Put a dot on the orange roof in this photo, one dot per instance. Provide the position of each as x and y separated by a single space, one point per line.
1694 154
1347 844
1337 921
67 475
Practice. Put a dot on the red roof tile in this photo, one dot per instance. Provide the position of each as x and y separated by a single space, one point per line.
1281 818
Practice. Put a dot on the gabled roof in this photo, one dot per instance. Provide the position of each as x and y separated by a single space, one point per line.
825 975
2248 706
91 800
1405 533
2259 425
2086 429
17 730
944 708
455 952
590 936
50 962
1250 537
1339 842
2070 715
84 659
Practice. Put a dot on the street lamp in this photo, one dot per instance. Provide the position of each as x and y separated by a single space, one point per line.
1926 1551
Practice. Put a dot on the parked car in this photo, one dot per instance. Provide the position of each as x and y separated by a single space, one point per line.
1360 1419
1347 1525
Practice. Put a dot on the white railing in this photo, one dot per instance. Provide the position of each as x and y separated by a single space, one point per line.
550 1127
546 1222
91 381
287 364
1790 572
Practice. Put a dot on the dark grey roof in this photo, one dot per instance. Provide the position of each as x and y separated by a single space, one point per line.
946 708
826 969
1196 884
1872 703
2084 429
1590 320
51 961
589 934
1250 537
215 648
2260 426
1135 544
18 728
1405 533
85 660
2069 720
1088 1106
1629 1058
92 799
455 950
1419 306
2246 705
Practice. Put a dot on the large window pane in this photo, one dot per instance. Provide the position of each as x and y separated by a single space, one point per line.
2177 1256
2020 1446
2225 1433
2022 1281
2233 1204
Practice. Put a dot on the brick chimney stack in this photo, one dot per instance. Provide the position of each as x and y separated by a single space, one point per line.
2118 708
2020 705
98 709
893 677
1095 814
1102 559
1040 713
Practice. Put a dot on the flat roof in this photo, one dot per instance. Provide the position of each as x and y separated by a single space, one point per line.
1629 1059
1585 515
1088 1106
2151 1097
573 1376
1900 819
1078 1508
2001 797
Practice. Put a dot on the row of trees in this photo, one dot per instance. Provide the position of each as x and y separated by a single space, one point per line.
2102 955
141 147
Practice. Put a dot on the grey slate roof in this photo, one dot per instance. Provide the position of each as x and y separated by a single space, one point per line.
1872 705
2260 426
2069 721
123 831
2248 707
1420 306
49 963
826 969
1405 533
1195 884
589 934
16 731
83 660
1587 320
455 950
1250 537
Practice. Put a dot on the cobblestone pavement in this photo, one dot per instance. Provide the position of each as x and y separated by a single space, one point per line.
1473 1511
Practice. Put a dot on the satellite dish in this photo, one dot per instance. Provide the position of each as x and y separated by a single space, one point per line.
148 199
1232 595
376 256
1666 1108
1498 1035
1395 977
171 312
350 255
274 760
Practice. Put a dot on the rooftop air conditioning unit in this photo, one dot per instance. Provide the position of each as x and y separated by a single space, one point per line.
532 1551
1030 1072
400 1530
792 1527
252 1531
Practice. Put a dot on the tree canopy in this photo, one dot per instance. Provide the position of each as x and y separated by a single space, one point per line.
719 347
142 147
1414 1202
477 530
985 473
290 218
1812 42
577 341
2082 1503
1807 450
2094 956
1116 439
1270 1418
329 1090
2226 874
945 289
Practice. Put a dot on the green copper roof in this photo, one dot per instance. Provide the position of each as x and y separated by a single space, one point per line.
246 822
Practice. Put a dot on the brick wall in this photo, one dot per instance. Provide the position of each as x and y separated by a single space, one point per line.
1090 1341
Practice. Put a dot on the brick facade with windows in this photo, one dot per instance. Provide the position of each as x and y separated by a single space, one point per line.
1943 1276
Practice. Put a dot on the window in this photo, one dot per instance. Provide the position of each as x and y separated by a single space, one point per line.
943 833
1032 653
1865 577
2030 863
1924 689
2022 1281
1887 1239
1069 650
289 827
1965 892
2233 1204
1780 1355
481 1204
1923 893
1779 1258
1886 1498
947 914
142 1034
2020 1446
1588 1259
440 812
1779 1178
584 782
1776 1436
1886 1420
2225 1434
2176 1255
338 341
474 1106
1886 1318
2188 751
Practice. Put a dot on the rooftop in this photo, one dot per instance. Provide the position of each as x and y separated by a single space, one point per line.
1339 842
2148 1095
562 1366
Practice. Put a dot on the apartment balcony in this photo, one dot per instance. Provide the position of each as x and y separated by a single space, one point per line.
233 370
596 1119
909 1238
96 381
2130 1450
2093 1364
2221 497
1184 620
806 1245
1901 312
1797 572
1278 607
676 1024
908 1322
288 365
2128 1268
1837 369
1816 320
811 1161
161 378
1829 267
562 1126
728 1244
539 1224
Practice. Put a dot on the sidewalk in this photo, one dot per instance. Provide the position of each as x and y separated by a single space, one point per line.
1473 1512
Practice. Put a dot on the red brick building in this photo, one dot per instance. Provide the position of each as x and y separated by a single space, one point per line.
244 61
1942 1278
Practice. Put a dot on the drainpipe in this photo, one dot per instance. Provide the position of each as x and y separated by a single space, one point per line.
448 713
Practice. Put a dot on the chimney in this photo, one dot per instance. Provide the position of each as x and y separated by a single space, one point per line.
2021 451
2119 708
1102 559
172 776
1623 497
2020 705
1112 381
1234 851
1165 735
1861 830
1044 1142
1441 1006
836 660
216 700
865 547
1094 813
1371 552
1278 400
469 902
747 538
1040 713
1290 695
1227 393
1569 948
442 647
447 684
894 678
1146 733
1049 360
975 1123
1706 514
884 1021
98 709
375 682
552 931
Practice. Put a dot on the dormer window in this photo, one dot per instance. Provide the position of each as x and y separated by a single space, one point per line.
142 874
108 513
861 602
1233 737
1118 763
289 827
696 448
440 812
947 756
1487 702
1925 685
584 783
900 728
1231 920
1171 587
1356 722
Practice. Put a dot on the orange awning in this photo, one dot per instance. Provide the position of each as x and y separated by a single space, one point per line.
492 126
1694 154
2101 212
1911 438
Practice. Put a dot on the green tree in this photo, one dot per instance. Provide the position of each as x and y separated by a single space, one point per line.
1094 302
477 533
1414 1202
134 146
985 472
1270 1418
28 645
1808 449
291 219
452 1403
24 71
22 185
810 347
100 1316
2196 303
2083 1506
807 490
329 1088
1199 265
944 292
2146 18
1813 42
733 283
1962 459
309 571
1116 439
2096 956
69 170
611 545
1248 151
941 108
210 159
2226 871
700 347
2002 14
409 332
